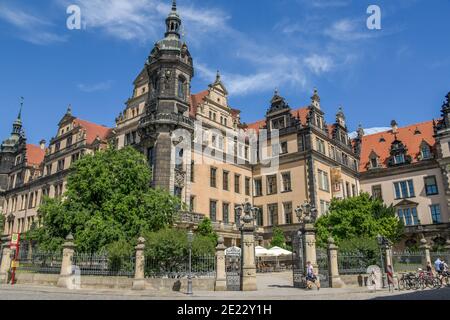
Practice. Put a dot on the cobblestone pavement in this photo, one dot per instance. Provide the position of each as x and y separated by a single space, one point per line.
270 287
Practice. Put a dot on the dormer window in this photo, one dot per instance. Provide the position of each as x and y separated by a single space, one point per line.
425 151
374 160
278 123
399 159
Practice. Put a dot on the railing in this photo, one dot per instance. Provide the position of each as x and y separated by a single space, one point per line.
202 267
167 117
188 217
407 261
354 263
39 262
441 255
102 265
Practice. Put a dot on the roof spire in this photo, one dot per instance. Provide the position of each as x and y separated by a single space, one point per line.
218 76
173 23
69 109
19 117
174 5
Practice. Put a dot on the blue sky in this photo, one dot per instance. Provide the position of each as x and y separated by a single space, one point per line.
400 72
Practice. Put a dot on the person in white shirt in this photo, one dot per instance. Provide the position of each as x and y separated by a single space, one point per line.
311 277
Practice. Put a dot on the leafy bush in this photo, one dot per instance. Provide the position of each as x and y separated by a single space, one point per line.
278 238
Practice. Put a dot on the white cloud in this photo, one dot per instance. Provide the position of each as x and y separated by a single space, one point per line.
30 28
349 30
101 86
142 19
369 131
319 64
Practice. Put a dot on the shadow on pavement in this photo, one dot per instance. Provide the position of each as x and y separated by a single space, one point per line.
436 294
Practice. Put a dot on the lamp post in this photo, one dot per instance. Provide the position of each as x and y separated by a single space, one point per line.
382 242
190 240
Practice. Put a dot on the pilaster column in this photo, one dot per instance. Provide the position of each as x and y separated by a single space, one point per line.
248 275
6 265
335 279
221 280
426 250
139 273
67 261
388 256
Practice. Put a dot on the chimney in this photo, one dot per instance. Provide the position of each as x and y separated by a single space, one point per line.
42 144
394 126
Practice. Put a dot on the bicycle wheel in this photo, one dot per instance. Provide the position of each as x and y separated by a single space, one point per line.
401 285
437 282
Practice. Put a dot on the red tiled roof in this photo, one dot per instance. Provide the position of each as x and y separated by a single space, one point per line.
93 130
300 113
35 155
409 136
196 100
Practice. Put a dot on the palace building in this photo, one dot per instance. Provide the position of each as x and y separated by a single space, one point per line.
406 167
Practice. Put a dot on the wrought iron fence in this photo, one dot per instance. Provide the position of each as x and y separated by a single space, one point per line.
39 262
445 255
202 267
103 265
354 262
407 261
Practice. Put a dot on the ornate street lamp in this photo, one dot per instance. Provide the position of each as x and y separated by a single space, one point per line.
306 213
190 240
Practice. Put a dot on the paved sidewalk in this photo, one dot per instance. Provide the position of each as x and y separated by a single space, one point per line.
270 287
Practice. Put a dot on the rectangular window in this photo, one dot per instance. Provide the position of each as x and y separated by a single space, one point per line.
49 169
408 216
61 164
347 188
258 188
377 192
212 179
225 180
284 147
57 146
226 212
324 183
213 210
259 217
320 145
247 186
272 184
324 207
237 183
431 187
192 171
399 159
404 189
436 213
273 214
286 181
69 142
287 212
354 193
192 204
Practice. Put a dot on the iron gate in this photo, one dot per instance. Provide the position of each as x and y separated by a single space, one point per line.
322 263
298 261
233 268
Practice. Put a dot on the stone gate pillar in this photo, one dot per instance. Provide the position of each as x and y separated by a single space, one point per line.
248 274
310 245
139 272
426 251
66 265
6 265
221 280
335 279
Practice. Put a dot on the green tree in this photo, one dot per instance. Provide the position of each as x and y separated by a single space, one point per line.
358 217
108 199
278 238
205 229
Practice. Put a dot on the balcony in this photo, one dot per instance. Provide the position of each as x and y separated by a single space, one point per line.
166 118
